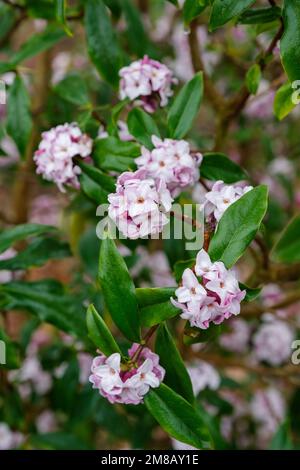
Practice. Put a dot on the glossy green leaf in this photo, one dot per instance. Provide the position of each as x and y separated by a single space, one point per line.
238 226
282 439
177 376
177 417
260 15
224 10
19 120
193 8
57 441
114 154
180 266
287 248
21 232
7 18
95 184
47 300
36 44
36 254
99 333
251 292
118 290
253 77
154 295
216 166
157 313
73 88
60 13
136 34
142 126
290 41
283 101
185 107
103 46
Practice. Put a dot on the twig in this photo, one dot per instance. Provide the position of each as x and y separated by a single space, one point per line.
144 342
212 93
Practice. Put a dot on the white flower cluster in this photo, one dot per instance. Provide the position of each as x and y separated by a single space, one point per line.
172 161
209 294
128 386
147 80
54 157
221 197
139 205
273 341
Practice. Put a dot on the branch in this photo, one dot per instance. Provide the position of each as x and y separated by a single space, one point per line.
212 93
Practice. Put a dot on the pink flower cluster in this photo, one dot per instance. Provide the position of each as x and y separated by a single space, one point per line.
210 293
121 384
149 81
221 197
172 161
54 157
272 341
9 439
139 205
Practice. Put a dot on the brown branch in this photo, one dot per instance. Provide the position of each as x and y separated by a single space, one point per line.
212 93
234 105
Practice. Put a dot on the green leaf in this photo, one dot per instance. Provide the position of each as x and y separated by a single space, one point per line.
283 101
287 248
60 13
290 41
48 301
238 226
180 266
114 154
99 333
21 232
19 120
216 166
174 2
282 439
137 37
260 15
157 313
73 89
118 290
57 441
102 42
251 292
224 10
112 127
193 8
36 254
95 184
36 44
177 417
142 126
253 77
7 18
177 377
9 352
153 295
185 107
